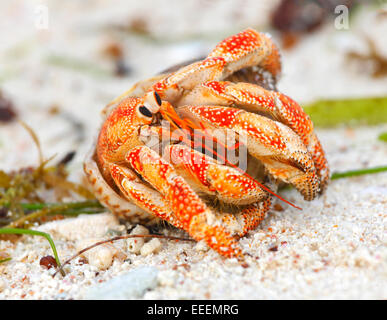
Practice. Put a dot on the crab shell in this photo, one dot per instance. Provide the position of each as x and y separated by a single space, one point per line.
232 90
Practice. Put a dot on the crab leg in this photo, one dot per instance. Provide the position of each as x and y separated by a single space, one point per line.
111 199
210 177
248 219
229 185
247 49
173 86
145 197
274 144
276 105
193 215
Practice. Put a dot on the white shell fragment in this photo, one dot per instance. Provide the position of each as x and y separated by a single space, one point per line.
152 246
134 245
201 246
101 256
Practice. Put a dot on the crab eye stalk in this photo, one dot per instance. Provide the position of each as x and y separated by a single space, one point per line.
158 99
145 111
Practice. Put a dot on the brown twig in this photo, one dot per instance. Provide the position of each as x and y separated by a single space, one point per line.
127 236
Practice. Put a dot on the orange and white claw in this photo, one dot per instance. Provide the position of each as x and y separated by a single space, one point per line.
211 177
193 215
172 87
273 143
247 219
144 197
246 49
111 199
207 227
256 99
294 116
320 161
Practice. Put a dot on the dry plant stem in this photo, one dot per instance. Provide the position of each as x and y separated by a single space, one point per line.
35 138
119 238
35 215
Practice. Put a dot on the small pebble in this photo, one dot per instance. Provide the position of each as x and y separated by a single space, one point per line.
134 245
7 111
152 246
48 262
101 256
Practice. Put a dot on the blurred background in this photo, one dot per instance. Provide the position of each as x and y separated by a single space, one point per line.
61 62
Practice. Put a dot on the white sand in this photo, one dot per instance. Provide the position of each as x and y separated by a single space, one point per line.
335 248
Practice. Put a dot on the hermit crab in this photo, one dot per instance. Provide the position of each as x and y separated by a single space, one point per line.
163 151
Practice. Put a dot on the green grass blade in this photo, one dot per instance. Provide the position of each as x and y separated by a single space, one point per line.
5 260
362 111
66 208
70 205
352 173
383 136
34 233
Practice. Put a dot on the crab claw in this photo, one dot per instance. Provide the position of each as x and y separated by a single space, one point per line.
173 86
193 214
247 49
279 149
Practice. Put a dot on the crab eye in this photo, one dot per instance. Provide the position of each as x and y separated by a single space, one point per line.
145 111
158 99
